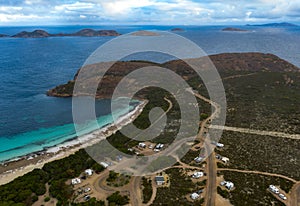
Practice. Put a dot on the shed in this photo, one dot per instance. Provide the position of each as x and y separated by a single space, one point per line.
88 172
160 180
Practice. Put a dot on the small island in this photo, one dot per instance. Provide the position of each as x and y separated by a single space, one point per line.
145 33
84 33
177 30
3 35
234 29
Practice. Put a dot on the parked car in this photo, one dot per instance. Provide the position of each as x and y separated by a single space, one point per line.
282 196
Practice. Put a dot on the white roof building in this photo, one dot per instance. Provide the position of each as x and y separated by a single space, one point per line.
198 174
229 185
195 196
225 159
198 159
88 172
142 145
104 164
76 181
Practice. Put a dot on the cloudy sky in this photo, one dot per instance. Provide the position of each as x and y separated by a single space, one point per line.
180 12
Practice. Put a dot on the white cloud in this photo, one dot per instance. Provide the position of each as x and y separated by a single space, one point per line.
154 11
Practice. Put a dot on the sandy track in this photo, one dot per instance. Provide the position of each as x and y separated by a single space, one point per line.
258 172
257 132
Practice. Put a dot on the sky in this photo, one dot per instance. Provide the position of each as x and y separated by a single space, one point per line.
154 12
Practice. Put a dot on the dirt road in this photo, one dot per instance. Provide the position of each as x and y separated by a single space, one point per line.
257 132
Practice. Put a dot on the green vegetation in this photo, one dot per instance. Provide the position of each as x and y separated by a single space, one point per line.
91 202
180 186
190 156
117 199
223 193
24 189
147 189
47 199
262 153
264 101
251 189
117 179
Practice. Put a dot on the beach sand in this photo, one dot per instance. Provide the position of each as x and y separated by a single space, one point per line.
20 166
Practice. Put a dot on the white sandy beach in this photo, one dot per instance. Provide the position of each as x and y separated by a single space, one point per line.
25 165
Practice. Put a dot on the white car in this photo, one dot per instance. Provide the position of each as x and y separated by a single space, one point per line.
87 189
282 196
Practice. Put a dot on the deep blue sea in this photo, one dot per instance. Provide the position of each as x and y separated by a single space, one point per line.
31 121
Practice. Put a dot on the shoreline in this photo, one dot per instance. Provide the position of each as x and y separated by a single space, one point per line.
19 166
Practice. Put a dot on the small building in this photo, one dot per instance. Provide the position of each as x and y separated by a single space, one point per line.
142 145
160 180
195 196
198 174
198 159
229 185
76 181
104 164
88 172
225 159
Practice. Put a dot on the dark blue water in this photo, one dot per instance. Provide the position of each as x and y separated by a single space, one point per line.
30 121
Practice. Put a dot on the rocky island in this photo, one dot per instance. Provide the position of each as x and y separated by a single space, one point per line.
177 29
3 35
145 33
234 29
84 33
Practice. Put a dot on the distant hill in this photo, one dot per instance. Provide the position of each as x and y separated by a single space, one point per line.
238 62
91 32
234 29
3 35
34 34
83 32
283 24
